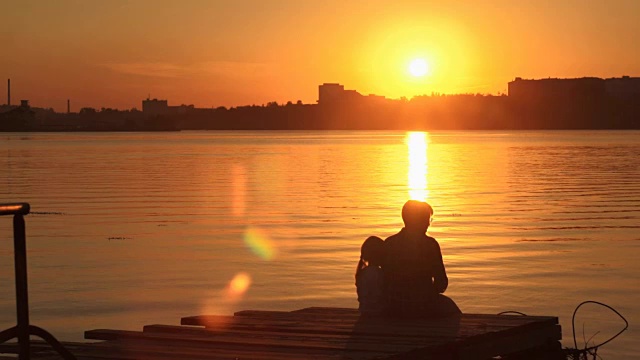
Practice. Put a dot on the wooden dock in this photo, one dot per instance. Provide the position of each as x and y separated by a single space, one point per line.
321 333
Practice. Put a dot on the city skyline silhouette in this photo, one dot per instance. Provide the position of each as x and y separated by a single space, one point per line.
530 104
214 54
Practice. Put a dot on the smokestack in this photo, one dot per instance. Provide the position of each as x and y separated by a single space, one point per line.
68 106
9 92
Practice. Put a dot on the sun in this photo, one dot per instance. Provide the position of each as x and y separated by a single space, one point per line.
418 68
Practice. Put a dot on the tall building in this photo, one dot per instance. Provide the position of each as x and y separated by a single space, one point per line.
155 107
329 92
553 88
332 93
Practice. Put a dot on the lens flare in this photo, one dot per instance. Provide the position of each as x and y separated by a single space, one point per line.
259 243
223 301
239 284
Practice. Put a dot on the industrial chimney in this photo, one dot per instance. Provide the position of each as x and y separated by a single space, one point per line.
9 92
68 106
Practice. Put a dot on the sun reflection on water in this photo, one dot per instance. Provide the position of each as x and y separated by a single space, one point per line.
417 146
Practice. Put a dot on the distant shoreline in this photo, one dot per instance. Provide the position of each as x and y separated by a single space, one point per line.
546 104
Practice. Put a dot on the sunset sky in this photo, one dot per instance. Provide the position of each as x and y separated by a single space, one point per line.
211 53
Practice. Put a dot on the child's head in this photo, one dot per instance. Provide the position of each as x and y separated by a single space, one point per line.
371 250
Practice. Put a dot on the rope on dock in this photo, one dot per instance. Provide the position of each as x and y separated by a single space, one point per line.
583 354
593 350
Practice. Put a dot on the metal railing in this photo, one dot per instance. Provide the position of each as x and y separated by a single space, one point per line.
23 330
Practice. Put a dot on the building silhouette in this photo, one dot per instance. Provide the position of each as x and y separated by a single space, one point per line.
155 107
553 88
577 88
333 93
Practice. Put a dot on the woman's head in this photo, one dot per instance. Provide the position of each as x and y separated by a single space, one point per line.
371 250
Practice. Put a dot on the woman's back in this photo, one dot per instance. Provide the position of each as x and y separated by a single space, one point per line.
370 288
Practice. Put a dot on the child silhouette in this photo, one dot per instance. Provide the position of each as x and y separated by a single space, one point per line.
369 277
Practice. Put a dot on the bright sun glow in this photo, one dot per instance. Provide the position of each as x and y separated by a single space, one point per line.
418 68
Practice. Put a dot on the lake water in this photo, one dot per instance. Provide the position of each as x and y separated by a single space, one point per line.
129 229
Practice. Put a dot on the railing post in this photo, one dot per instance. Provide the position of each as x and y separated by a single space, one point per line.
23 329
22 293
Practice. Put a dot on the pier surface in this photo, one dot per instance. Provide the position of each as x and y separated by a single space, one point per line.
321 333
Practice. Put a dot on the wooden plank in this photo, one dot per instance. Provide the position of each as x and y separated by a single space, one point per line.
163 349
375 329
380 329
277 353
338 316
214 349
324 310
354 342
345 312
442 324
497 323
145 352
464 318
260 344
295 320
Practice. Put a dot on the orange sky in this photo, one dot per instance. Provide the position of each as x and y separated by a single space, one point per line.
211 53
